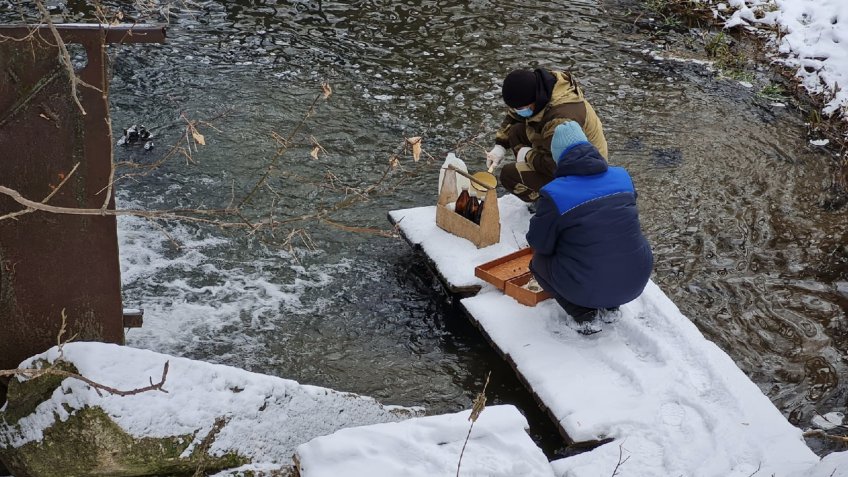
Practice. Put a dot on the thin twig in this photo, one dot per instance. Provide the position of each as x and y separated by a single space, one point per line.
62 183
65 57
109 185
164 232
60 344
367 230
759 466
283 149
29 210
620 462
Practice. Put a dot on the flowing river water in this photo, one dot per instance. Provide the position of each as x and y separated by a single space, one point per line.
732 197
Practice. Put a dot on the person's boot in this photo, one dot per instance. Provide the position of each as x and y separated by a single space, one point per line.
609 315
587 321
589 327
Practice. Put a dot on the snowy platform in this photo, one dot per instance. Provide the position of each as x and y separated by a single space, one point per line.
672 402
498 446
452 258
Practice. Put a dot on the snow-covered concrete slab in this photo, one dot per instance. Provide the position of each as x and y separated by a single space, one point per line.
429 446
267 417
674 402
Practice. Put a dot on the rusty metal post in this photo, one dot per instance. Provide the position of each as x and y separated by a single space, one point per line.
54 262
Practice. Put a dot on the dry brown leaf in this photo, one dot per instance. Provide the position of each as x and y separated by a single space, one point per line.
316 148
393 161
325 87
477 407
479 402
416 147
198 138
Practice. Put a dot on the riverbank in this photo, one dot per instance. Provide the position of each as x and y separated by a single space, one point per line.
789 53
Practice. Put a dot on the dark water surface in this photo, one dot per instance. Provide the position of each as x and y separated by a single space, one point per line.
730 194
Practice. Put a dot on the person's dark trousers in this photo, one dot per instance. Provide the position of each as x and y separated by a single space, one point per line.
520 178
522 181
579 313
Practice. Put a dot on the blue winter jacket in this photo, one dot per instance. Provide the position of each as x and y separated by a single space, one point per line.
586 238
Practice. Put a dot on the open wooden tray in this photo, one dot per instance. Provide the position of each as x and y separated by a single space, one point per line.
515 288
509 274
499 270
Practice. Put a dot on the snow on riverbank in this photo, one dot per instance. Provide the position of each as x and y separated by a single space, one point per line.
813 40
268 416
498 446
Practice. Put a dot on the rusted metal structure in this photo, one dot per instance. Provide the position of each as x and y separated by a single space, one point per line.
52 262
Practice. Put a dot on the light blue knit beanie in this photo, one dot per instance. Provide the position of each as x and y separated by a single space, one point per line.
566 135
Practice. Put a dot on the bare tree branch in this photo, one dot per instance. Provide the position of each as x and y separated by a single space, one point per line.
170 214
32 373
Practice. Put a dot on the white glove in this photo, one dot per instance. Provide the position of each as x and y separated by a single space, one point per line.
495 156
522 154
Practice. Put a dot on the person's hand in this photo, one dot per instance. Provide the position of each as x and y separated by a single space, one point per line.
495 156
522 154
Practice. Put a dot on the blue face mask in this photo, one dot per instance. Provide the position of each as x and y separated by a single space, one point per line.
524 112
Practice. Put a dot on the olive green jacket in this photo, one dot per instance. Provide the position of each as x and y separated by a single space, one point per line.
567 104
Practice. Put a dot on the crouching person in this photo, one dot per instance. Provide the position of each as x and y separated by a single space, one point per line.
588 248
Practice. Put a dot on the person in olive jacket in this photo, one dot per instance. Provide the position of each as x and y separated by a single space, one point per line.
539 101
588 247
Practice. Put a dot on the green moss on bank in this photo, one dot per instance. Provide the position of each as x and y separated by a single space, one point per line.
24 397
89 443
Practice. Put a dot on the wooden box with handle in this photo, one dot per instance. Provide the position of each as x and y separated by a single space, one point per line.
488 232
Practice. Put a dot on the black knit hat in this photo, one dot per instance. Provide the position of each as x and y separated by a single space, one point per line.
519 88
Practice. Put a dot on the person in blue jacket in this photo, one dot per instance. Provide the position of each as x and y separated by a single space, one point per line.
588 248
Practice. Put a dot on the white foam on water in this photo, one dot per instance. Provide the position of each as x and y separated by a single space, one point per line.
195 294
